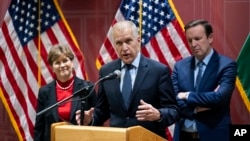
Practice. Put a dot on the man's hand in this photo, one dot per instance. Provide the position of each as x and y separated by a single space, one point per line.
87 116
146 112
183 95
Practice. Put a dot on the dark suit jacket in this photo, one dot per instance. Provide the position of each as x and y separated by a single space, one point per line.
212 124
152 84
47 97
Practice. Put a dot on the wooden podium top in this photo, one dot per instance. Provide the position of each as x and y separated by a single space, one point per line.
65 132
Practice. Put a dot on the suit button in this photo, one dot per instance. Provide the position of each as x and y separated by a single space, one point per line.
127 117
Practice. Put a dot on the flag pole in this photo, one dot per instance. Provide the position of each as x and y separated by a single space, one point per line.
140 19
39 46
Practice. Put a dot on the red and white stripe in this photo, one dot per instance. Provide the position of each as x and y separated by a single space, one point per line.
20 67
168 46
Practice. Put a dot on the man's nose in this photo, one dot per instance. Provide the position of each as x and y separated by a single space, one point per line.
124 46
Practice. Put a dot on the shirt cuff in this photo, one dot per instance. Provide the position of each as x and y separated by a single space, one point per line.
187 95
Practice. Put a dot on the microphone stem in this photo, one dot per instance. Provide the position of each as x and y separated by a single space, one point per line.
82 112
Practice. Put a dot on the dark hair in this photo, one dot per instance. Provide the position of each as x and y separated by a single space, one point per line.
57 50
207 26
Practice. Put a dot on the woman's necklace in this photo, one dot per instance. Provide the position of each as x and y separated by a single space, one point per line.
65 88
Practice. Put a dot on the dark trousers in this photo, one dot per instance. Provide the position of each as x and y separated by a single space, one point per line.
187 136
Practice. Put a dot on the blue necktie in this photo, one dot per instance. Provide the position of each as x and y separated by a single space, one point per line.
190 123
199 75
127 85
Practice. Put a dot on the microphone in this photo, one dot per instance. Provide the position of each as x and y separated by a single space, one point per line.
113 75
88 89
65 100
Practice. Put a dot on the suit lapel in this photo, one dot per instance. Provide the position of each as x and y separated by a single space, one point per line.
213 62
77 86
117 66
191 73
140 76
53 100
115 83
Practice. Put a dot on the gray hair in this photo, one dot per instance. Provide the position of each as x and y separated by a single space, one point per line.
123 25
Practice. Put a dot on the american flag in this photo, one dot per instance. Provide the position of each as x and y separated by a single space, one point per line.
161 29
29 30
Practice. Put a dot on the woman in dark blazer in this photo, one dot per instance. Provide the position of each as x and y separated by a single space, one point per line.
64 85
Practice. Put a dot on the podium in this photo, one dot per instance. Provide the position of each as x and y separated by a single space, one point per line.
64 132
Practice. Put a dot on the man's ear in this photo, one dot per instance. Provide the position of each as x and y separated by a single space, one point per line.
211 38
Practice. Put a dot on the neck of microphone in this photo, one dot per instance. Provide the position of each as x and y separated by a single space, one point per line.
113 75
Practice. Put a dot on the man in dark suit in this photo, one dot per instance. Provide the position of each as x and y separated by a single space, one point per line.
204 84
150 103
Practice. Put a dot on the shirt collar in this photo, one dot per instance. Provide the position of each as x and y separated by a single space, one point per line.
136 61
206 59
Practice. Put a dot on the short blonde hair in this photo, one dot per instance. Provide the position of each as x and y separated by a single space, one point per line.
57 50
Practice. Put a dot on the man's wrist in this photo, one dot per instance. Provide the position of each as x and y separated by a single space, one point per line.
160 118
